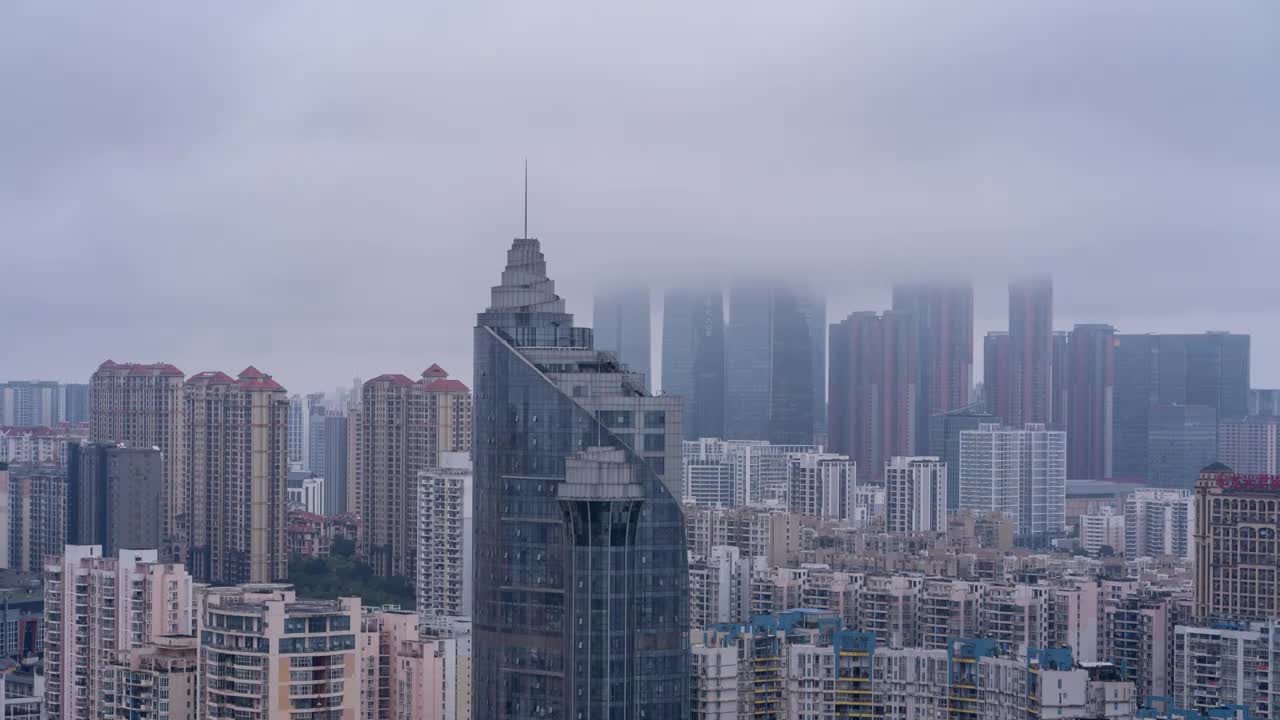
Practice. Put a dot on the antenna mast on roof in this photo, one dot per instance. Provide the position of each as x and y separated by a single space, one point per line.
526 198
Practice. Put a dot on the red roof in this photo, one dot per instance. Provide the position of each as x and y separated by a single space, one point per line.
211 376
444 385
266 383
251 372
435 371
393 378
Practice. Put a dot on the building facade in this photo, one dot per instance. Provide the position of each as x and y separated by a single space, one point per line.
1181 439
1030 339
113 496
822 485
138 405
944 442
34 525
336 431
1237 518
1020 473
236 466
1090 373
943 313
693 358
1159 522
915 495
577 507
1250 445
445 552
404 427
157 681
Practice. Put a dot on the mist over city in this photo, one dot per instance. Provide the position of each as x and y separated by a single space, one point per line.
654 361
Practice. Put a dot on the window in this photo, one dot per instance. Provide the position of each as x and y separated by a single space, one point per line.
655 420
616 418
655 442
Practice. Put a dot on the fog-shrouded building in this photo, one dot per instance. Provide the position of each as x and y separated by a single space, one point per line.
693 357
1031 340
620 320
944 442
1209 370
1181 439
404 427
775 363
1021 473
236 465
1250 445
872 398
943 313
915 495
113 496
581 593
1088 416
138 405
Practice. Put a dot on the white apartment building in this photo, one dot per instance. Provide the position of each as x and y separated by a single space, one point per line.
759 469
1218 666
822 485
1159 522
1102 528
709 483
916 495
445 552
719 587
98 609
1020 473
1250 445
715 683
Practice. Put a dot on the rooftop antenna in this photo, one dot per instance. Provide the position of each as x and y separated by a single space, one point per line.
526 198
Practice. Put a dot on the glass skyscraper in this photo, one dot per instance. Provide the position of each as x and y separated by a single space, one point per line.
693 358
581 582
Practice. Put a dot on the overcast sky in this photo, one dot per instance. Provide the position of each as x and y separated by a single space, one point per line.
327 190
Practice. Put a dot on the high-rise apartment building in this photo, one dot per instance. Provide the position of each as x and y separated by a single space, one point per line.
873 392
1159 522
445 554
1237 518
269 655
1250 445
407 676
235 447
822 485
776 363
404 427
97 609
30 403
915 495
1181 439
1211 370
754 471
997 373
709 481
693 358
157 681
621 324
141 406
38 445
1090 375
297 428
1102 529
1020 473
1031 341
113 496
75 403
576 509
1226 667
943 314
1060 384
944 442
336 433
34 522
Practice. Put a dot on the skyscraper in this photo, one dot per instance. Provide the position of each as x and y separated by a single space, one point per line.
915 495
1060 355
997 373
1181 439
236 470
944 442
33 521
773 381
693 358
1031 339
113 496
1090 387
1210 369
141 406
943 314
581 606
622 326
446 552
75 403
873 389
1020 473
404 428
297 426
335 463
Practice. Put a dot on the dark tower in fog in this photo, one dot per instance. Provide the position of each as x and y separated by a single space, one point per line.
1030 338
1090 385
621 325
693 359
943 315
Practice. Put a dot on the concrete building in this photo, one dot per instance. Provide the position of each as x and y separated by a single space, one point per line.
1181 439
775 363
1089 411
915 495
944 442
35 522
620 319
709 482
297 427
693 358
405 676
140 406
872 389
822 485
22 694
1030 342
282 657
1264 402
1104 528
1137 635
1237 518
336 433
1250 445
157 681
38 445
404 428
31 403
714 690
1226 666
235 447
770 534
1159 522
311 496
446 555
943 314
1021 473
720 587
759 469
114 496
98 609
576 476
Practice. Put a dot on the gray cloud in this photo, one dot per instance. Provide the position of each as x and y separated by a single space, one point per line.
326 190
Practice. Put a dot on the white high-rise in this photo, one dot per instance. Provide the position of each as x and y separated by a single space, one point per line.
916 495
445 547
758 470
1102 528
1020 473
1159 522
822 485
1250 445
